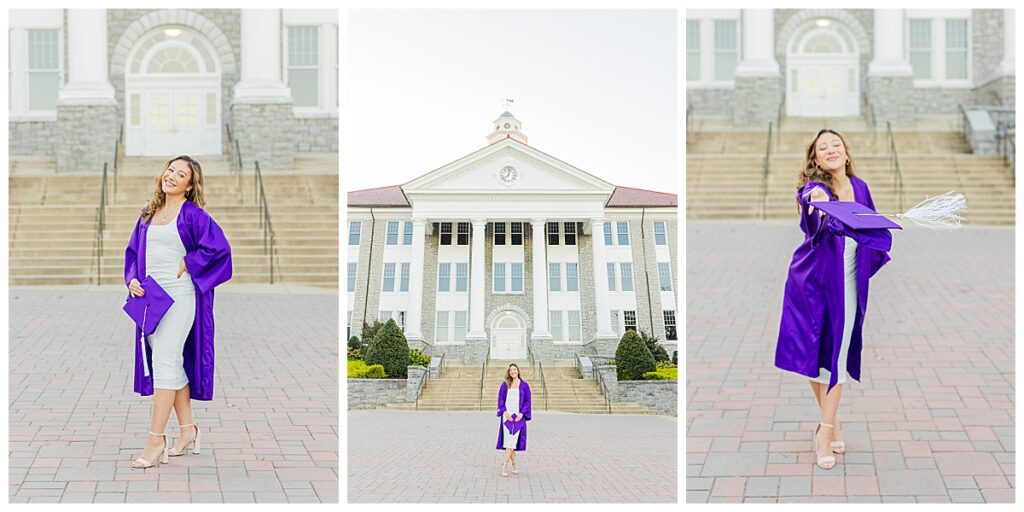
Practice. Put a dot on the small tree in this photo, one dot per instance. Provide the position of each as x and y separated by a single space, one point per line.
369 331
652 342
354 343
675 357
389 349
632 357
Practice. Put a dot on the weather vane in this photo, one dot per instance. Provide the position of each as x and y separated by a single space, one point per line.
507 103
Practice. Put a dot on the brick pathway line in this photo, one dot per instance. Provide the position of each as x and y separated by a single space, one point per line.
932 419
449 457
269 435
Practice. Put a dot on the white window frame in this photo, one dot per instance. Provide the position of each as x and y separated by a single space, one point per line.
454 327
613 282
439 328
17 65
706 19
464 268
556 327
938 18
522 277
623 278
574 330
447 280
384 277
358 232
663 234
327 58
666 277
503 280
566 273
555 277
674 324
609 234
619 233
389 233
504 232
351 276
407 232
403 279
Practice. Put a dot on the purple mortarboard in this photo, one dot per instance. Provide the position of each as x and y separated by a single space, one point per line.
855 215
515 426
147 310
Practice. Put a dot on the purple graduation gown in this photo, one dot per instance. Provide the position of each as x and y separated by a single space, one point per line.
524 407
208 260
811 330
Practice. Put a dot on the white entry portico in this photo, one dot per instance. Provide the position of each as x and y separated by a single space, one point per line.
823 75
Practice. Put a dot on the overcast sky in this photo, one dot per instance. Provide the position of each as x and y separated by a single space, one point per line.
595 88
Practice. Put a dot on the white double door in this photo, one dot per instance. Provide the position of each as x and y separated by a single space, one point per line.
173 121
822 87
508 344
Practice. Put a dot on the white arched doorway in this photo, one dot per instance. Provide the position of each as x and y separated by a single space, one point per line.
172 94
823 71
508 336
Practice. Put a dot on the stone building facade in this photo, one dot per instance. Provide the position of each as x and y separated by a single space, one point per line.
894 64
509 252
172 81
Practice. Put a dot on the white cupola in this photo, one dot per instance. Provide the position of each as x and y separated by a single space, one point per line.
506 126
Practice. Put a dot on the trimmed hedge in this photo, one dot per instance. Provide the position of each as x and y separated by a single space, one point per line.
357 369
632 358
418 358
389 349
663 374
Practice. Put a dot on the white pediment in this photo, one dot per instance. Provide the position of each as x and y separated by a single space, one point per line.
508 167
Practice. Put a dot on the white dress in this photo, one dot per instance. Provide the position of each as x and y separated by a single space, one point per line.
849 314
164 253
511 407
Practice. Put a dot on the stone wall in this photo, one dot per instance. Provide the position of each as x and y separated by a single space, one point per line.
659 395
710 102
998 92
87 135
756 100
645 278
893 99
33 138
373 393
265 132
987 43
316 134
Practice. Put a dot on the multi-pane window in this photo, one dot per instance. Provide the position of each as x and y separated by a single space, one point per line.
441 333
517 277
616 324
556 325
499 233
570 233
459 327
354 228
389 277
623 231
611 277
572 277
407 233
517 233
726 50
607 233
554 277
446 233
552 233
670 325
660 237
392 236
574 329
352 277
956 50
939 48
499 277
692 50
921 48
43 70
403 284
444 276
665 277
626 272
304 65
463 238
397 316
629 320
450 327
461 277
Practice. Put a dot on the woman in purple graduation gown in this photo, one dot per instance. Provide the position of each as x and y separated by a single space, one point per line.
513 408
827 289
178 245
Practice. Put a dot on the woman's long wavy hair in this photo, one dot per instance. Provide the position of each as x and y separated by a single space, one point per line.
811 172
196 195
508 377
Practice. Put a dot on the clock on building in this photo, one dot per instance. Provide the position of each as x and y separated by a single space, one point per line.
508 175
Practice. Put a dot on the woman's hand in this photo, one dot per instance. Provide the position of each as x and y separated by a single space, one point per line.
817 195
182 269
506 416
135 288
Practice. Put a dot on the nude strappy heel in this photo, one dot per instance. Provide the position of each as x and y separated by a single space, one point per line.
827 461
143 463
173 452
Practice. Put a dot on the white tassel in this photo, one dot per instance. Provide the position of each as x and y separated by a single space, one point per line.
938 212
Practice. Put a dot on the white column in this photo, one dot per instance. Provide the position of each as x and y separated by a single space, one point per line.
604 320
87 58
261 56
1007 65
540 289
889 59
414 316
477 282
758 44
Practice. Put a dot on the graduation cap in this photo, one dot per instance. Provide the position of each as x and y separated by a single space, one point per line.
935 212
515 426
146 311
856 215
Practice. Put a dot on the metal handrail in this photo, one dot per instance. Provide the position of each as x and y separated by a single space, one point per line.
480 399
236 158
101 221
764 179
117 155
604 389
529 355
265 223
894 167
426 376
778 121
544 383
689 114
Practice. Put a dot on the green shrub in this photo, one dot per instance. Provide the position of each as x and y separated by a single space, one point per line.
389 349
356 368
354 343
354 353
418 358
369 331
675 357
664 364
375 371
658 351
632 357
663 374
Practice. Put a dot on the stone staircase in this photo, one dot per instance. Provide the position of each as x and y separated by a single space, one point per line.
724 172
458 389
52 221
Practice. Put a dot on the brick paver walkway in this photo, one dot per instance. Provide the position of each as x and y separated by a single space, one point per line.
269 435
932 419
449 457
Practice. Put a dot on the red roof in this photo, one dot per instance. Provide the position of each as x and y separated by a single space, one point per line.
382 196
628 197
